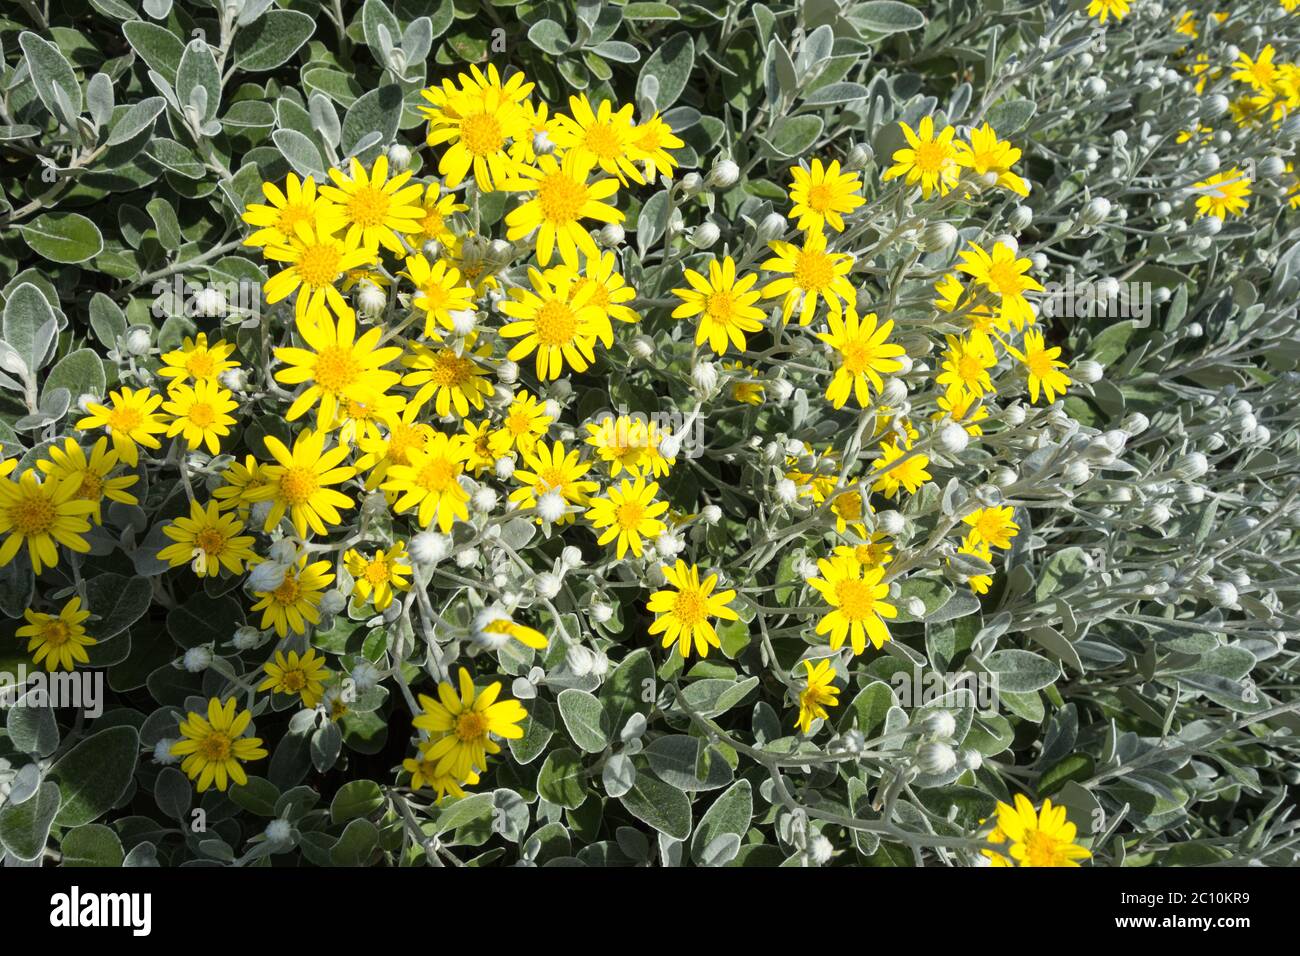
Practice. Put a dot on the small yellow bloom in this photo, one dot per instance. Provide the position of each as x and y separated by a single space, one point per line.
375 209
42 515
813 273
993 525
683 612
627 514
379 575
200 414
863 353
197 361
553 471
215 749
855 593
60 641
818 694
335 366
304 676
899 468
431 482
298 483
823 195
1223 194
561 198
461 727
207 540
1043 838
295 602
932 161
725 304
92 472
132 421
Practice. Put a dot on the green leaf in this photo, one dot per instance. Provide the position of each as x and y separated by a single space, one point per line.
356 798
80 372
1111 345
585 719
650 11
379 111
794 135
32 727
630 689
303 155
52 76
94 774
272 39
666 71
1021 672
117 601
157 46
356 845
1077 766
29 325
203 619
163 214
886 16
869 709
730 813
91 845
834 94
25 828
466 810
659 805
135 120
549 37
66 237
563 781
1011 116
198 71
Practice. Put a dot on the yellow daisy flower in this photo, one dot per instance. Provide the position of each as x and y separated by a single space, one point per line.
42 515
304 676
200 414
438 293
987 154
1003 274
461 728
240 484
1042 838
683 612
603 134
431 482
92 473
899 467
297 203
963 408
132 421
609 290
538 122
295 603
932 161
381 452
725 305
1043 366
1223 194
557 324
979 583
856 596
627 514
553 470
966 364
525 421
813 273
652 140
336 365
316 259
197 361
477 120
298 483
992 525
207 541
562 198
59 641
215 749
377 577
424 773
438 207
746 384
493 626
863 354
478 439
453 380
818 694
376 210
822 196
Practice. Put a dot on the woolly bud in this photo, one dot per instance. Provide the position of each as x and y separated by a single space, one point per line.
723 175
642 347
285 551
429 547
1014 415
197 659
138 340
890 522
1095 212
859 157
162 752
935 758
551 506
953 438
235 379
611 235
772 227
1005 477
938 236
1087 372
786 491
705 377
669 545
1076 473
691 184
507 372
209 302
504 468
1135 424
266 576
820 850
1191 466
939 723
705 235
547 584
246 638
1094 88
485 499
914 606
601 613
1223 594
1207 226
1022 217
463 321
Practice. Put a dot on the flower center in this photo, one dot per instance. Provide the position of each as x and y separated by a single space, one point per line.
970 368
293 681
603 141
435 297
202 414
33 514
481 134
438 475
821 198
56 633
690 608
432 224
858 356
1039 364
813 270
336 368
856 601
377 571
849 505
210 540
297 485
471 726
215 747
368 206
318 265
125 419
561 198
1005 278
449 370
1040 849
200 365
556 323
92 487
551 478
720 306
288 591
629 514
931 157
293 214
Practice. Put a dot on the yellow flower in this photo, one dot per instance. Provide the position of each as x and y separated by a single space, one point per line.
438 293
818 694
746 384
461 728
424 773
431 482
304 676
855 593
42 515
452 379
628 513
604 135
1003 274
822 196
316 259
375 209
609 291
525 421
207 540
1045 838
240 484
899 468
379 453
683 612
725 305
1101 9
1223 194
932 161
379 575
963 300
963 408
214 749
360 415
131 421
813 273
297 483
537 123
493 626
295 602
438 207
550 470
966 364
847 507
873 552
1043 367
562 198
1185 23
1260 72
478 119
58 640
337 364
987 154
979 583
652 140
622 442
863 355
197 361
478 439
297 203
559 325
200 414
992 525
92 474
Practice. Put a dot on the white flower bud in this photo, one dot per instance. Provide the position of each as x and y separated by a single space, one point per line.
914 606
279 831
669 545
1223 594
859 157
711 514
705 377
971 759
1191 466
429 547
891 522
547 584
723 175
1022 217
953 438
507 372
399 157
284 551
1135 424
938 236
773 226
484 499
1014 415
467 558
542 144
642 347
551 506
138 340
1094 88
691 184
162 752
1005 477
1095 212
197 659
601 613
266 576
1207 226
333 601
209 302
705 235
935 758
246 638
820 850
579 659
463 321
504 468
939 723
611 235
365 675
1076 473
